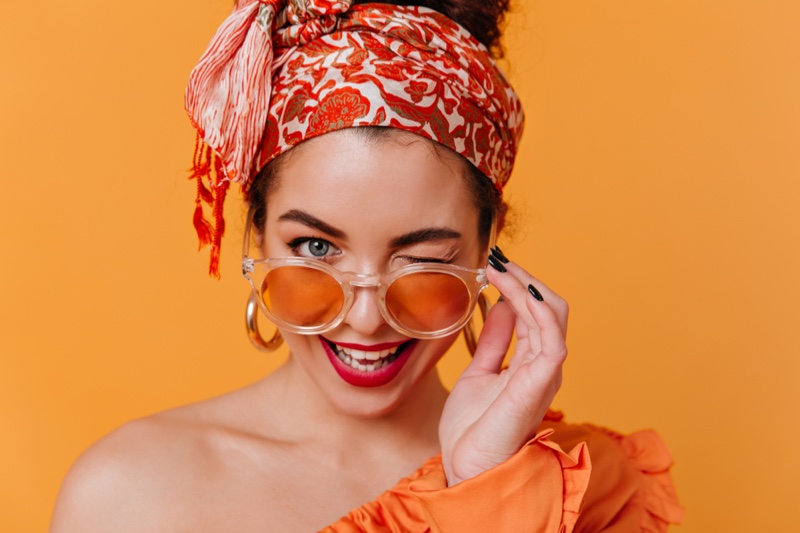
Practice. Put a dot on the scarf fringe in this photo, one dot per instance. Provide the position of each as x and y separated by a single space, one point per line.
212 187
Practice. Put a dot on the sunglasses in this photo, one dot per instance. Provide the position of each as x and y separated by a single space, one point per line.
308 296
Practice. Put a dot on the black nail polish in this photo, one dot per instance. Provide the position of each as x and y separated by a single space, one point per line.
499 255
536 294
496 264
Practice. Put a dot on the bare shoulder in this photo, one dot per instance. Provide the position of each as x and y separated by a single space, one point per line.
118 484
114 480
154 474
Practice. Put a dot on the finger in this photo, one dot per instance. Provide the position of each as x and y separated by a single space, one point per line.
526 278
494 341
514 294
558 304
549 339
534 383
551 335
519 409
517 287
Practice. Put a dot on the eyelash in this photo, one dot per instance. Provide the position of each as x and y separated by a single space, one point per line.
427 260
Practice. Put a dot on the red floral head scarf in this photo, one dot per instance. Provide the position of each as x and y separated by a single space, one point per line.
277 73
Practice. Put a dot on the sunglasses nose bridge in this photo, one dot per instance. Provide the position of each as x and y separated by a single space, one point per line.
365 280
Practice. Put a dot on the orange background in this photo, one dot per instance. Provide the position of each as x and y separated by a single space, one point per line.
657 190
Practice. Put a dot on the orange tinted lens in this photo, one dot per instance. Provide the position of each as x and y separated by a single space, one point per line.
427 301
302 296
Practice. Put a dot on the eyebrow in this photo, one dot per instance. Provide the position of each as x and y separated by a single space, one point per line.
424 235
307 219
407 239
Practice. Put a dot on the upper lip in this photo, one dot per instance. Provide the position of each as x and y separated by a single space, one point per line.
368 347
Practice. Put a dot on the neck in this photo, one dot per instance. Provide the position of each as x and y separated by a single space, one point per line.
302 414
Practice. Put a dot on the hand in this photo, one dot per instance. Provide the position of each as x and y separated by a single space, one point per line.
491 413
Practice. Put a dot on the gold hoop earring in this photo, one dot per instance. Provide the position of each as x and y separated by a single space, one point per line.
251 322
469 331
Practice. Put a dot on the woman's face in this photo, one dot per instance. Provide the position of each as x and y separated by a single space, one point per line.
370 206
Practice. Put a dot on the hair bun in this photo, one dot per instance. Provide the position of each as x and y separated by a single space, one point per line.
482 18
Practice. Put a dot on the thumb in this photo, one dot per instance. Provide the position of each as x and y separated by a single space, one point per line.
493 342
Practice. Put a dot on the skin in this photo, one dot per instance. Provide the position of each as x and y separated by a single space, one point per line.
238 462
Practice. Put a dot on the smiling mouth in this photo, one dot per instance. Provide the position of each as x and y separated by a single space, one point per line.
367 361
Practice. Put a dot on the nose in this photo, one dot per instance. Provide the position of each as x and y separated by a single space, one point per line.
365 315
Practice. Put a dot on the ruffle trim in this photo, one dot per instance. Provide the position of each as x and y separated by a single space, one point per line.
394 510
423 502
575 468
648 454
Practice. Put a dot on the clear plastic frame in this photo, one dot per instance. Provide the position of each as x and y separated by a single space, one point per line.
308 296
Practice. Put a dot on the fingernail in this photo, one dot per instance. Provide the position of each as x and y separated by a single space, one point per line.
496 264
499 255
536 294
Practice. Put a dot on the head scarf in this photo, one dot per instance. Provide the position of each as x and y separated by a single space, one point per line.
277 73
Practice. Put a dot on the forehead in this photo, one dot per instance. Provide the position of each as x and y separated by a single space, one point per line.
391 184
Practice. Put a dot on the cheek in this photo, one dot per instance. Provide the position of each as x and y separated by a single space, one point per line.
297 343
435 349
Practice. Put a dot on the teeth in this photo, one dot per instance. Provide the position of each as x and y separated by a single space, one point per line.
363 360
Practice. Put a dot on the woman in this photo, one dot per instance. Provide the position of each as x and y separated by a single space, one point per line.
374 197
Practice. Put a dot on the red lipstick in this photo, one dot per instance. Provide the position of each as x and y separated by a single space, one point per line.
376 378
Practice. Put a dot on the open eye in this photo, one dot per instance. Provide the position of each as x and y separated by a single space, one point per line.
312 247
318 247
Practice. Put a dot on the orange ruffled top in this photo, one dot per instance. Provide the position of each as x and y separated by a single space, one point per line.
625 487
